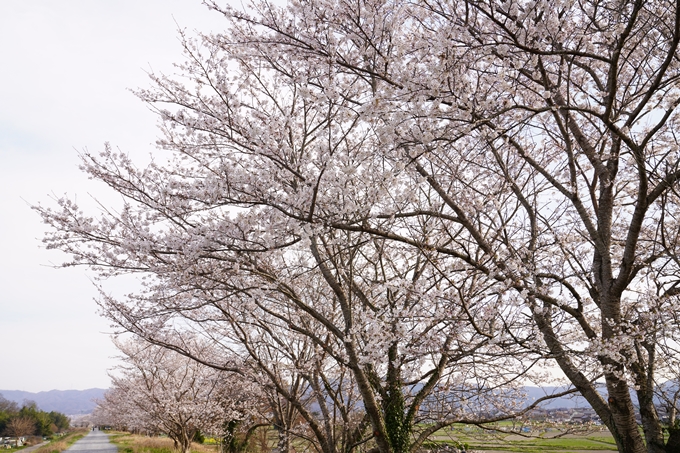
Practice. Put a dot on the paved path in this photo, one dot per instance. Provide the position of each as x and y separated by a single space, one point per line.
95 442
34 447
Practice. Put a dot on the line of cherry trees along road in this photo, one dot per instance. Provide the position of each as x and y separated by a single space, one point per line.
383 216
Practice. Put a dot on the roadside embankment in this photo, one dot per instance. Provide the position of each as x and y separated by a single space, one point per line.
59 444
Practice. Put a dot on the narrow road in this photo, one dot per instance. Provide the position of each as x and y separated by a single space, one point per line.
34 447
95 442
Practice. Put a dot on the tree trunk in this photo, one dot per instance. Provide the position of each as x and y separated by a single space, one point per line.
673 444
397 429
283 420
229 441
181 439
187 436
624 426
618 416
651 424
370 404
283 444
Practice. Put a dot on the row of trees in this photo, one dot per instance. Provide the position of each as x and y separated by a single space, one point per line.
157 390
29 420
411 209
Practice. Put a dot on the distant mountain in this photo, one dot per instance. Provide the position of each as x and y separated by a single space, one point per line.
80 402
565 402
69 402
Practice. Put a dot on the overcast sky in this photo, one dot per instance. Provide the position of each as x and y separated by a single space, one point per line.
65 70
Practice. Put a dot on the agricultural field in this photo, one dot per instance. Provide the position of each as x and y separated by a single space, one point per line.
553 440
547 440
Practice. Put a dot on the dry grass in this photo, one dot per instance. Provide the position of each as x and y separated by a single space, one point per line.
61 444
133 443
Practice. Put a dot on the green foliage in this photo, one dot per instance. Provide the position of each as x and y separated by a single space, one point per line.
199 437
430 445
45 423
230 441
60 420
42 419
4 419
8 410
397 422
398 430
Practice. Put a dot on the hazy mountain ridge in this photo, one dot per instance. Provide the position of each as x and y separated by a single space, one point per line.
565 402
69 402
75 402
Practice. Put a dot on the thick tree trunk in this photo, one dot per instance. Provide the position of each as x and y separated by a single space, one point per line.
673 444
181 437
396 426
366 390
624 426
185 445
185 437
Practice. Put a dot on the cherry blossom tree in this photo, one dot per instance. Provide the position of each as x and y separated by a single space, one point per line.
381 310
157 390
304 359
383 314
117 410
432 193
547 133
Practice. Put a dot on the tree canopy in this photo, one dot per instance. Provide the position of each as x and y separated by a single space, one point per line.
29 420
434 195
156 390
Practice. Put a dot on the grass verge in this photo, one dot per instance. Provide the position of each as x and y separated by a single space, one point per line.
62 443
133 443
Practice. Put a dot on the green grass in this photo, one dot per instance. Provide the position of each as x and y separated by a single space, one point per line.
539 445
480 440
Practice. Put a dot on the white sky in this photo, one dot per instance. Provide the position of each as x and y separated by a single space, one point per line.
65 67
